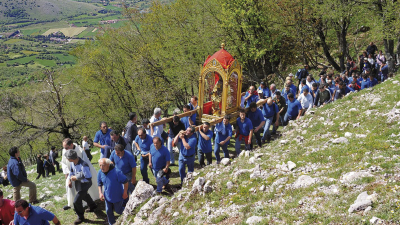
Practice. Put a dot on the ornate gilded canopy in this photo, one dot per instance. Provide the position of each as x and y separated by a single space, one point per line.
220 83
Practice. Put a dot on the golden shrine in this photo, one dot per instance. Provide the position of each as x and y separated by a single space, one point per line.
220 85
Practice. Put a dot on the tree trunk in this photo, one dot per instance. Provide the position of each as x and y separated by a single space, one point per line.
389 51
325 47
341 35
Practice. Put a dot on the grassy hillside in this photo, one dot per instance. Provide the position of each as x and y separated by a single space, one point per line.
328 177
42 10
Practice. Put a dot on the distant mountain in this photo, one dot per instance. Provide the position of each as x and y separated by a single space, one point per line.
42 10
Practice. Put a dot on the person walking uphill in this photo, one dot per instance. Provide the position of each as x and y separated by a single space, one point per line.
80 173
187 150
17 175
115 186
27 214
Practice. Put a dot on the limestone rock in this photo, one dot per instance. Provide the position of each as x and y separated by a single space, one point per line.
280 181
348 134
304 181
57 198
207 187
254 220
283 142
375 100
148 212
291 165
229 185
46 204
142 192
362 202
198 184
341 140
262 188
361 136
175 214
252 160
395 82
247 154
225 161
376 220
352 176
353 110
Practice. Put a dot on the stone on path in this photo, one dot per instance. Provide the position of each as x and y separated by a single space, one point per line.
225 161
304 181
142 192
291 165
340 140
207 187
362 202
352 176
254 220
376 220
229 185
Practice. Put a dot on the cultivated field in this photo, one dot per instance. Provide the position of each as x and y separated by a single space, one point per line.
68 32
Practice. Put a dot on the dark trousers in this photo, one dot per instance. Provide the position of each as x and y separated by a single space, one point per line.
47 171
39 174
144 162
52 170
89 155
201 157
258 138
82 195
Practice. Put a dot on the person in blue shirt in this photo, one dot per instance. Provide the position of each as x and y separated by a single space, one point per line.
27 214
223 134
80 173
17 176
365 82
251 96
263 91
187 150
159 163
175 126
125 162
204 144
294 109
115 186
286 91
244 131
187 120
384 71
102 138
257 119
292 86
341 91
143 143
270 111
303 85
372 80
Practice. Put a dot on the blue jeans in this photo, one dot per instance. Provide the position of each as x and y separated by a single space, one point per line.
237 146
183 161
161 181
268 123
131 187
111 207
170 149
216 151
287 118
144 162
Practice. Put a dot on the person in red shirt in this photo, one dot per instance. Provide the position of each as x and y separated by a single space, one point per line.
7 209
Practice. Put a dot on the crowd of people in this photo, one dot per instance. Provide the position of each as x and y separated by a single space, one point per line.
154 144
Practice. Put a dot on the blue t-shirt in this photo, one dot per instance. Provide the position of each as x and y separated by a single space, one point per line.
372 82
222 132
266 92
255 117
145 144
285 94
365 84
160 157
192 141
244 127
270 111
111 182
185 121
124 164
293 108
304 88
253 98
203 144
103 139
294 89
37 216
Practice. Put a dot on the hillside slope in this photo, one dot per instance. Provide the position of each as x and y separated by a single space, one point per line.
42 10
342 150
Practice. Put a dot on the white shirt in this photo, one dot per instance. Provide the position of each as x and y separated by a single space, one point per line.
157 130
305 101
309 84
85 145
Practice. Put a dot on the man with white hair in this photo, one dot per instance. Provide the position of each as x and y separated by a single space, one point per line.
114 195
81 175
306 100
156 131
71 193
273 90
125 162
